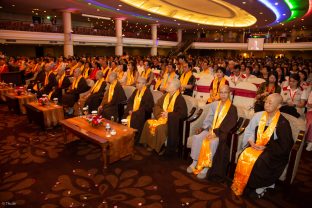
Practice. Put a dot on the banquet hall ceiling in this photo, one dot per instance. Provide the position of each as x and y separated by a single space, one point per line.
178 13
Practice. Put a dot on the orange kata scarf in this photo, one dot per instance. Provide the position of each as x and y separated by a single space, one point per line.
97 86
136 103
146 73
158 83
167 107
111 91
86 73
205 155
169 78
215 91
250 155
60 81
185 78
75 82
130 78
46 80
72 69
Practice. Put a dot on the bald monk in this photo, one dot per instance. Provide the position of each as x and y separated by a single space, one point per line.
212 137
268 142
140 106
94 97
113 96
168 111
78 86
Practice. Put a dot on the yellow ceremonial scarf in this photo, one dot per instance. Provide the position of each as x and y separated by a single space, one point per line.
46 80
105 70
170 78
158 83
250 155
75 82
72 69
60 81
146 73
167 107
205 155
130 78
136 103
97 86
185 78
214 92
34 70
111 91
86 73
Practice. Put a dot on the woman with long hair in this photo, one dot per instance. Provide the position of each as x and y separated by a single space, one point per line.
265 89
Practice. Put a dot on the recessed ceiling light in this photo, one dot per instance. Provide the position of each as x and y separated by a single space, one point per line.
120 5
266 20
179 24
260 12
302 19
156 20
117 9
97 10
276 3
244 2
284 14
149 14
1 7
13 5
175 20
36 13
89 3
44 11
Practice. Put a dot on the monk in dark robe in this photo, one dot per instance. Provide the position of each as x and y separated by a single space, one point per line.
37 83
49 80
212 139
94 97
140 106
78 86
168 111
187 80
268 141
113 96
63 83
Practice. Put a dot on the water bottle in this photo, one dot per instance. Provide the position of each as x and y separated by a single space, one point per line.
36 99
79 112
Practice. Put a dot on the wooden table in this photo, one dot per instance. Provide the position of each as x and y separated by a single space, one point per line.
16 102
4 91
113 148
46 116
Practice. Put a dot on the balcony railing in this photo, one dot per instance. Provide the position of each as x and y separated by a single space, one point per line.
29 26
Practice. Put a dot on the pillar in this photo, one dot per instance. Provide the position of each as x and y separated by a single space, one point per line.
179 35
68 41
154 39
119 44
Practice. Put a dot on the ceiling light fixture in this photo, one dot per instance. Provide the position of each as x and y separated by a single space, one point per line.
95 16
120 5
244 2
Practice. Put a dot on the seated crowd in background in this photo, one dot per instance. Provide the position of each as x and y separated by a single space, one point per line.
98 84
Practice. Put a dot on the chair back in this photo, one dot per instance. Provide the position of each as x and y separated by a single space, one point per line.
203 87
190 102
244 95
128 90
256 81
297 125
156 95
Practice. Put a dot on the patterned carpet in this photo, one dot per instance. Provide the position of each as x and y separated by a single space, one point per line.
38 170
